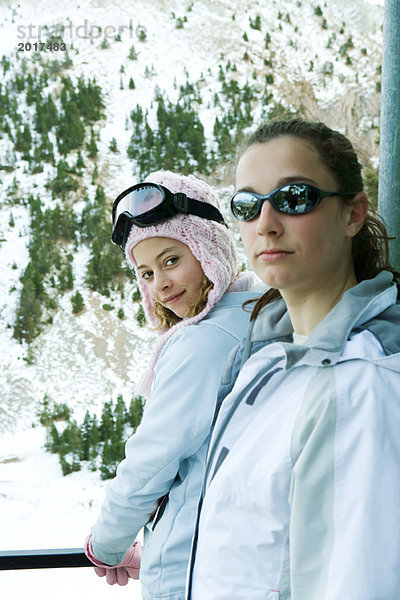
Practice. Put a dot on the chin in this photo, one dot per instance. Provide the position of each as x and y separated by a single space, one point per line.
269 278
180 313
276 277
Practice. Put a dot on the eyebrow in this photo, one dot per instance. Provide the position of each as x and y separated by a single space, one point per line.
165 251
283 181
296 179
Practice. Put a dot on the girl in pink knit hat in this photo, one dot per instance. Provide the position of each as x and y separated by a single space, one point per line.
174 236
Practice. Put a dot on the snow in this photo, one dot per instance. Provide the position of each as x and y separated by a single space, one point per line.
87 359
64 584
33 496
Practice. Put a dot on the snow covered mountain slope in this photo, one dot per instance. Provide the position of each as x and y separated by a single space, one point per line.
323 59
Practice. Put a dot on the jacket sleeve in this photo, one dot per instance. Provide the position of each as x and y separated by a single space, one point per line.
344 536
175 423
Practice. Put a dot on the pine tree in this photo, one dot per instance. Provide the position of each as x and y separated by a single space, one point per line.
29 312
63 222
95 174
70 131
256 23
121 417
94 439
23 141
44 152
71 444
89 436
6 63
92 146
132 53
108 467
65 465
45 116
63 182
66 278
107 422
77 302
80 163
31 93
53 442
113 146
45 415
135 412
105 261
89 100
140 316
142 34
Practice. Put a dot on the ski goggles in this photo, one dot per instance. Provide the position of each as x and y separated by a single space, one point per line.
290 199
146 204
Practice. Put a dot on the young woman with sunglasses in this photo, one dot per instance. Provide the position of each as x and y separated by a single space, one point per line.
302 484
175 238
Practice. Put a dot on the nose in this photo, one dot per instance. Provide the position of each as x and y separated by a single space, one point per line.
269 222
161 281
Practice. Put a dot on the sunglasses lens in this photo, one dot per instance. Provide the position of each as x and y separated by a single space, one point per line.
244 206
296 199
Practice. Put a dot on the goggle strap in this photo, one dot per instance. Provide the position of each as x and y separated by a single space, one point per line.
190 206
181 202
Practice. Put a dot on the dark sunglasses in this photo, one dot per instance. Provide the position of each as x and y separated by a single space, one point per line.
290 199
146 204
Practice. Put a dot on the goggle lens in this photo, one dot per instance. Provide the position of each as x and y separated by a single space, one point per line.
139 201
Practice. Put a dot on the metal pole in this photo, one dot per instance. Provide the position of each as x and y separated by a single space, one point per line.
389 152
12 560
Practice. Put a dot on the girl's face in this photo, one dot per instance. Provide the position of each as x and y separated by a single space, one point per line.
295 253
173 275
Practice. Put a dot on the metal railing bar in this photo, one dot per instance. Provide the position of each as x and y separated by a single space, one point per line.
58 558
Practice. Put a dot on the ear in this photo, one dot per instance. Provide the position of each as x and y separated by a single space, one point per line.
357 211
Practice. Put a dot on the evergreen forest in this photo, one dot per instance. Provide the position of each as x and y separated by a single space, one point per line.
97 442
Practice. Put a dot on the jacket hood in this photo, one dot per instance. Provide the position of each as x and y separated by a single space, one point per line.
370 305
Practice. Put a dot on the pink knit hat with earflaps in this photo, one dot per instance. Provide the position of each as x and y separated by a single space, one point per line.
210 243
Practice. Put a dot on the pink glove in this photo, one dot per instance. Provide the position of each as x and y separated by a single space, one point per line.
127 568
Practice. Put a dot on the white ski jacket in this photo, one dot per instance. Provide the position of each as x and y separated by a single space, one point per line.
167 454
302 483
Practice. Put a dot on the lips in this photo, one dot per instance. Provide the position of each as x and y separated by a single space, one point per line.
273 254
171 298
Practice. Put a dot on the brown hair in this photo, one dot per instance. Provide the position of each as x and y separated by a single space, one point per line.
167 318
370 249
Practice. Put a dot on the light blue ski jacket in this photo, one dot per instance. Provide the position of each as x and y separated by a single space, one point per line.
167 453
302 484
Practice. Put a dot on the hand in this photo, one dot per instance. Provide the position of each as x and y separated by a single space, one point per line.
128 568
